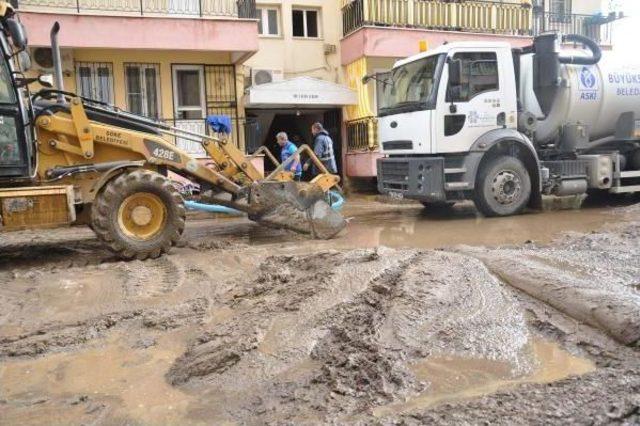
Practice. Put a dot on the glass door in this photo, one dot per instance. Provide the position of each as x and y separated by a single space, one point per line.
189 104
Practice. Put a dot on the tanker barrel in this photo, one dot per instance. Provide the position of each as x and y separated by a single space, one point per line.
582 60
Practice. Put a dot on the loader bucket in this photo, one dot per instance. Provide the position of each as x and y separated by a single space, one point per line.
298 206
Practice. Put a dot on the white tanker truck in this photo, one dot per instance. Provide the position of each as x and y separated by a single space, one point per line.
502 126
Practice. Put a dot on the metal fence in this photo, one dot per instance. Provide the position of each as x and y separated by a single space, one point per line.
244 9
476 16
362 134
595 27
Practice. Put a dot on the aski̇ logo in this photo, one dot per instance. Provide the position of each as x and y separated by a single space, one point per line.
587 79
588 86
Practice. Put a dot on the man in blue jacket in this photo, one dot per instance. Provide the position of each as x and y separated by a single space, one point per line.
323 148
287 149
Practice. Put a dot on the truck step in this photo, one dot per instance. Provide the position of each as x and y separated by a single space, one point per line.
631 174
455 171
625 189
456 186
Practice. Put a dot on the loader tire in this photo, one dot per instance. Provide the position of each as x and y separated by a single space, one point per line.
503 187
139 215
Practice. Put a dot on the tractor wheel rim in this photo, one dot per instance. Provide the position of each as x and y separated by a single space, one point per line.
506 187
142 216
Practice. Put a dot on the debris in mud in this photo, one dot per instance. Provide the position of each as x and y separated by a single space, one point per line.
297 334
591 277
188 312
359 318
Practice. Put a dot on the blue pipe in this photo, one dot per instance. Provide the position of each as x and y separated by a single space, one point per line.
211 208
335 200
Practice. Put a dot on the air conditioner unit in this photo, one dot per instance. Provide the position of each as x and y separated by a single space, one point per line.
263 76
43 60
330 49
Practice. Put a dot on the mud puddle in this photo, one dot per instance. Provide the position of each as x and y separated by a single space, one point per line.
419 228
455 378
114 381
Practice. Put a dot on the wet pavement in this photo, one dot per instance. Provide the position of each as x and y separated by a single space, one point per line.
529 319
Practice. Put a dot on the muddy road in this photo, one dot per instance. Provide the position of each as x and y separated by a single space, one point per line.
412 317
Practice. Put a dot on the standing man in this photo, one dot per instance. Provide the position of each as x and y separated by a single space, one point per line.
323 148
287 149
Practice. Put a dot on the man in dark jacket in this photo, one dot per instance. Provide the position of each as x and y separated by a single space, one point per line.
323 147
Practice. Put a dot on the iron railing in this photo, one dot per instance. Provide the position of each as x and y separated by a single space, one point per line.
199 126
243 9
595 27
474 16
362 134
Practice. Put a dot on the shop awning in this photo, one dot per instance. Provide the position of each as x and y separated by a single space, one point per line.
300 92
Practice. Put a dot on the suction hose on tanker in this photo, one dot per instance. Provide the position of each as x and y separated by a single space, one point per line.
596 52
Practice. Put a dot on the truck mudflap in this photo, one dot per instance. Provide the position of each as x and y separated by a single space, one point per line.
415 178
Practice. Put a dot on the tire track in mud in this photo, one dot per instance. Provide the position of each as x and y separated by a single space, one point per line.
71 335
152 278
333 333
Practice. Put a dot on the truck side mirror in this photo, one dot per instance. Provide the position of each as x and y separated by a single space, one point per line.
366 79
455 72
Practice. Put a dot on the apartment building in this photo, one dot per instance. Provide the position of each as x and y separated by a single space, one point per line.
295 78
172 60
376 33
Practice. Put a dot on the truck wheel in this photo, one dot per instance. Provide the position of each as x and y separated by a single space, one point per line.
503 187
139 215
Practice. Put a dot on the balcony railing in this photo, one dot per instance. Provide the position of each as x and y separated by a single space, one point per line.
362 134
595 27
474 16
243 9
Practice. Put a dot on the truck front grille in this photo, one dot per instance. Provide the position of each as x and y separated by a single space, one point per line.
395 175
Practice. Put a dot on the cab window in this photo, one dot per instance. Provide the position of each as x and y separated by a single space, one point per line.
7 94
479 74
9 144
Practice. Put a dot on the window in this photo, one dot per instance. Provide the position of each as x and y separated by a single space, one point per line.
142 83
305 23
479 74
95 81
188 83
268 24
410 87
560 11
560 7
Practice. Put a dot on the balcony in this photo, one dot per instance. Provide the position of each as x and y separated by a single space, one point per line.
596 27
362 134
242 9
473 16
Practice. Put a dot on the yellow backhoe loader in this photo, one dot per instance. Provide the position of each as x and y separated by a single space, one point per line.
69 160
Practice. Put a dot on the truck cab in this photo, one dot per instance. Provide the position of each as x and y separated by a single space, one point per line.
438 113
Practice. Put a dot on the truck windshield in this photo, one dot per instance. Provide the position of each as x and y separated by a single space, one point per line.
410 87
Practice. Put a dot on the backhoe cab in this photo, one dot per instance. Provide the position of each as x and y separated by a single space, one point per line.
68 160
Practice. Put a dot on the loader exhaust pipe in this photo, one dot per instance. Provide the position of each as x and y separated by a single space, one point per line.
57 61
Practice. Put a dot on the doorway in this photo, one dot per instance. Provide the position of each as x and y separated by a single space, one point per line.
264 125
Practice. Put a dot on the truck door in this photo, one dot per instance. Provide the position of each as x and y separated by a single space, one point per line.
13 148
473 106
